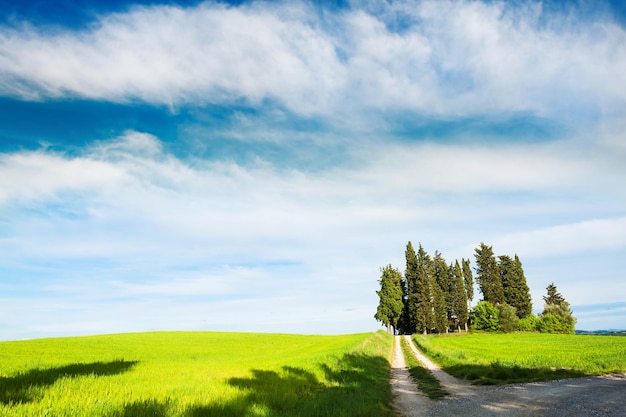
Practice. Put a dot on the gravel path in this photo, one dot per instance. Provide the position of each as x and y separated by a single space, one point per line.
603 396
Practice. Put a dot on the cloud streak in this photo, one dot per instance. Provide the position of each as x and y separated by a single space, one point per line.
144 223
446 59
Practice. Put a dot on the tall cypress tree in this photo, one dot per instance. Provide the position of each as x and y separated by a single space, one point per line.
525 304
488 275
468 280
442 278
403 321
425 315
516 291
390 305
412 300
439 307
459 300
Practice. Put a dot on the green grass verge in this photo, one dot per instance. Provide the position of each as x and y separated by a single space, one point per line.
525 357
422 377
189 374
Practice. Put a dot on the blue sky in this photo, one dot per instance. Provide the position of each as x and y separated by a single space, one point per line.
250 166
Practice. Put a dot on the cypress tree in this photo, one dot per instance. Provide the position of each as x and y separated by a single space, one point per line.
488 275
425 313
442 278
459 301
410 274
524 303
468 281
390 305
516 291
439 307
403 321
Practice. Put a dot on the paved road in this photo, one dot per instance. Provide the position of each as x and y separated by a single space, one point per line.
603 396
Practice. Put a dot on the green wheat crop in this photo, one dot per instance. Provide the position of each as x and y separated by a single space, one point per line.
189 374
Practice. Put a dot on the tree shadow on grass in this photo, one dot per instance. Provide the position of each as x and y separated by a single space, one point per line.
152 408
357 386
28 386
499 373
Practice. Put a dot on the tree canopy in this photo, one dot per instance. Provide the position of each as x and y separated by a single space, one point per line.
434 296
556 316
516 291
390 294
488 275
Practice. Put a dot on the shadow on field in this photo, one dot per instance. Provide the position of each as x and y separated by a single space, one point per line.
27 386
150 408
358 387
501 373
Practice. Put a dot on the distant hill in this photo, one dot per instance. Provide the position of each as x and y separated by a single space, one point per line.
611 332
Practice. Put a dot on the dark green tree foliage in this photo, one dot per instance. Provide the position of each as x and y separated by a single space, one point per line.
556 316
516 291
403 323
413 290
488 275
435 296
426 317
524 303
554 297
486 317
391 304
439 307
507 318
442 278
459 296
468 279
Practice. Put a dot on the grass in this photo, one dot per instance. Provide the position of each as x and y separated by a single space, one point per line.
422 377
189 374
525 357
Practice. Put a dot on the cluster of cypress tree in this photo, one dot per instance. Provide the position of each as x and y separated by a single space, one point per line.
434 296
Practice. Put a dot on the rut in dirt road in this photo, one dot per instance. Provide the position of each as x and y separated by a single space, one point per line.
407 399
454 386
596 396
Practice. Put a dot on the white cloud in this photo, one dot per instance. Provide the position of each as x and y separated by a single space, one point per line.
210 53
594 235
450 59
126 220
41 175
132 180
476 168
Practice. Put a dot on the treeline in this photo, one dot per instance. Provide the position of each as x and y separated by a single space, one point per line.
436 297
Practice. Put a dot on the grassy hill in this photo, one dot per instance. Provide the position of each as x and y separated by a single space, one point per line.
191 374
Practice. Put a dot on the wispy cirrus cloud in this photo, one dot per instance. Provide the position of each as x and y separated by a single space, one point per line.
594 234
141 199
446 59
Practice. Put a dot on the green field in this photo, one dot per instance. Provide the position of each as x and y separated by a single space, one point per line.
197 374
525 357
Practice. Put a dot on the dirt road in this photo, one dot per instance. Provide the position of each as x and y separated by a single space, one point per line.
603 396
